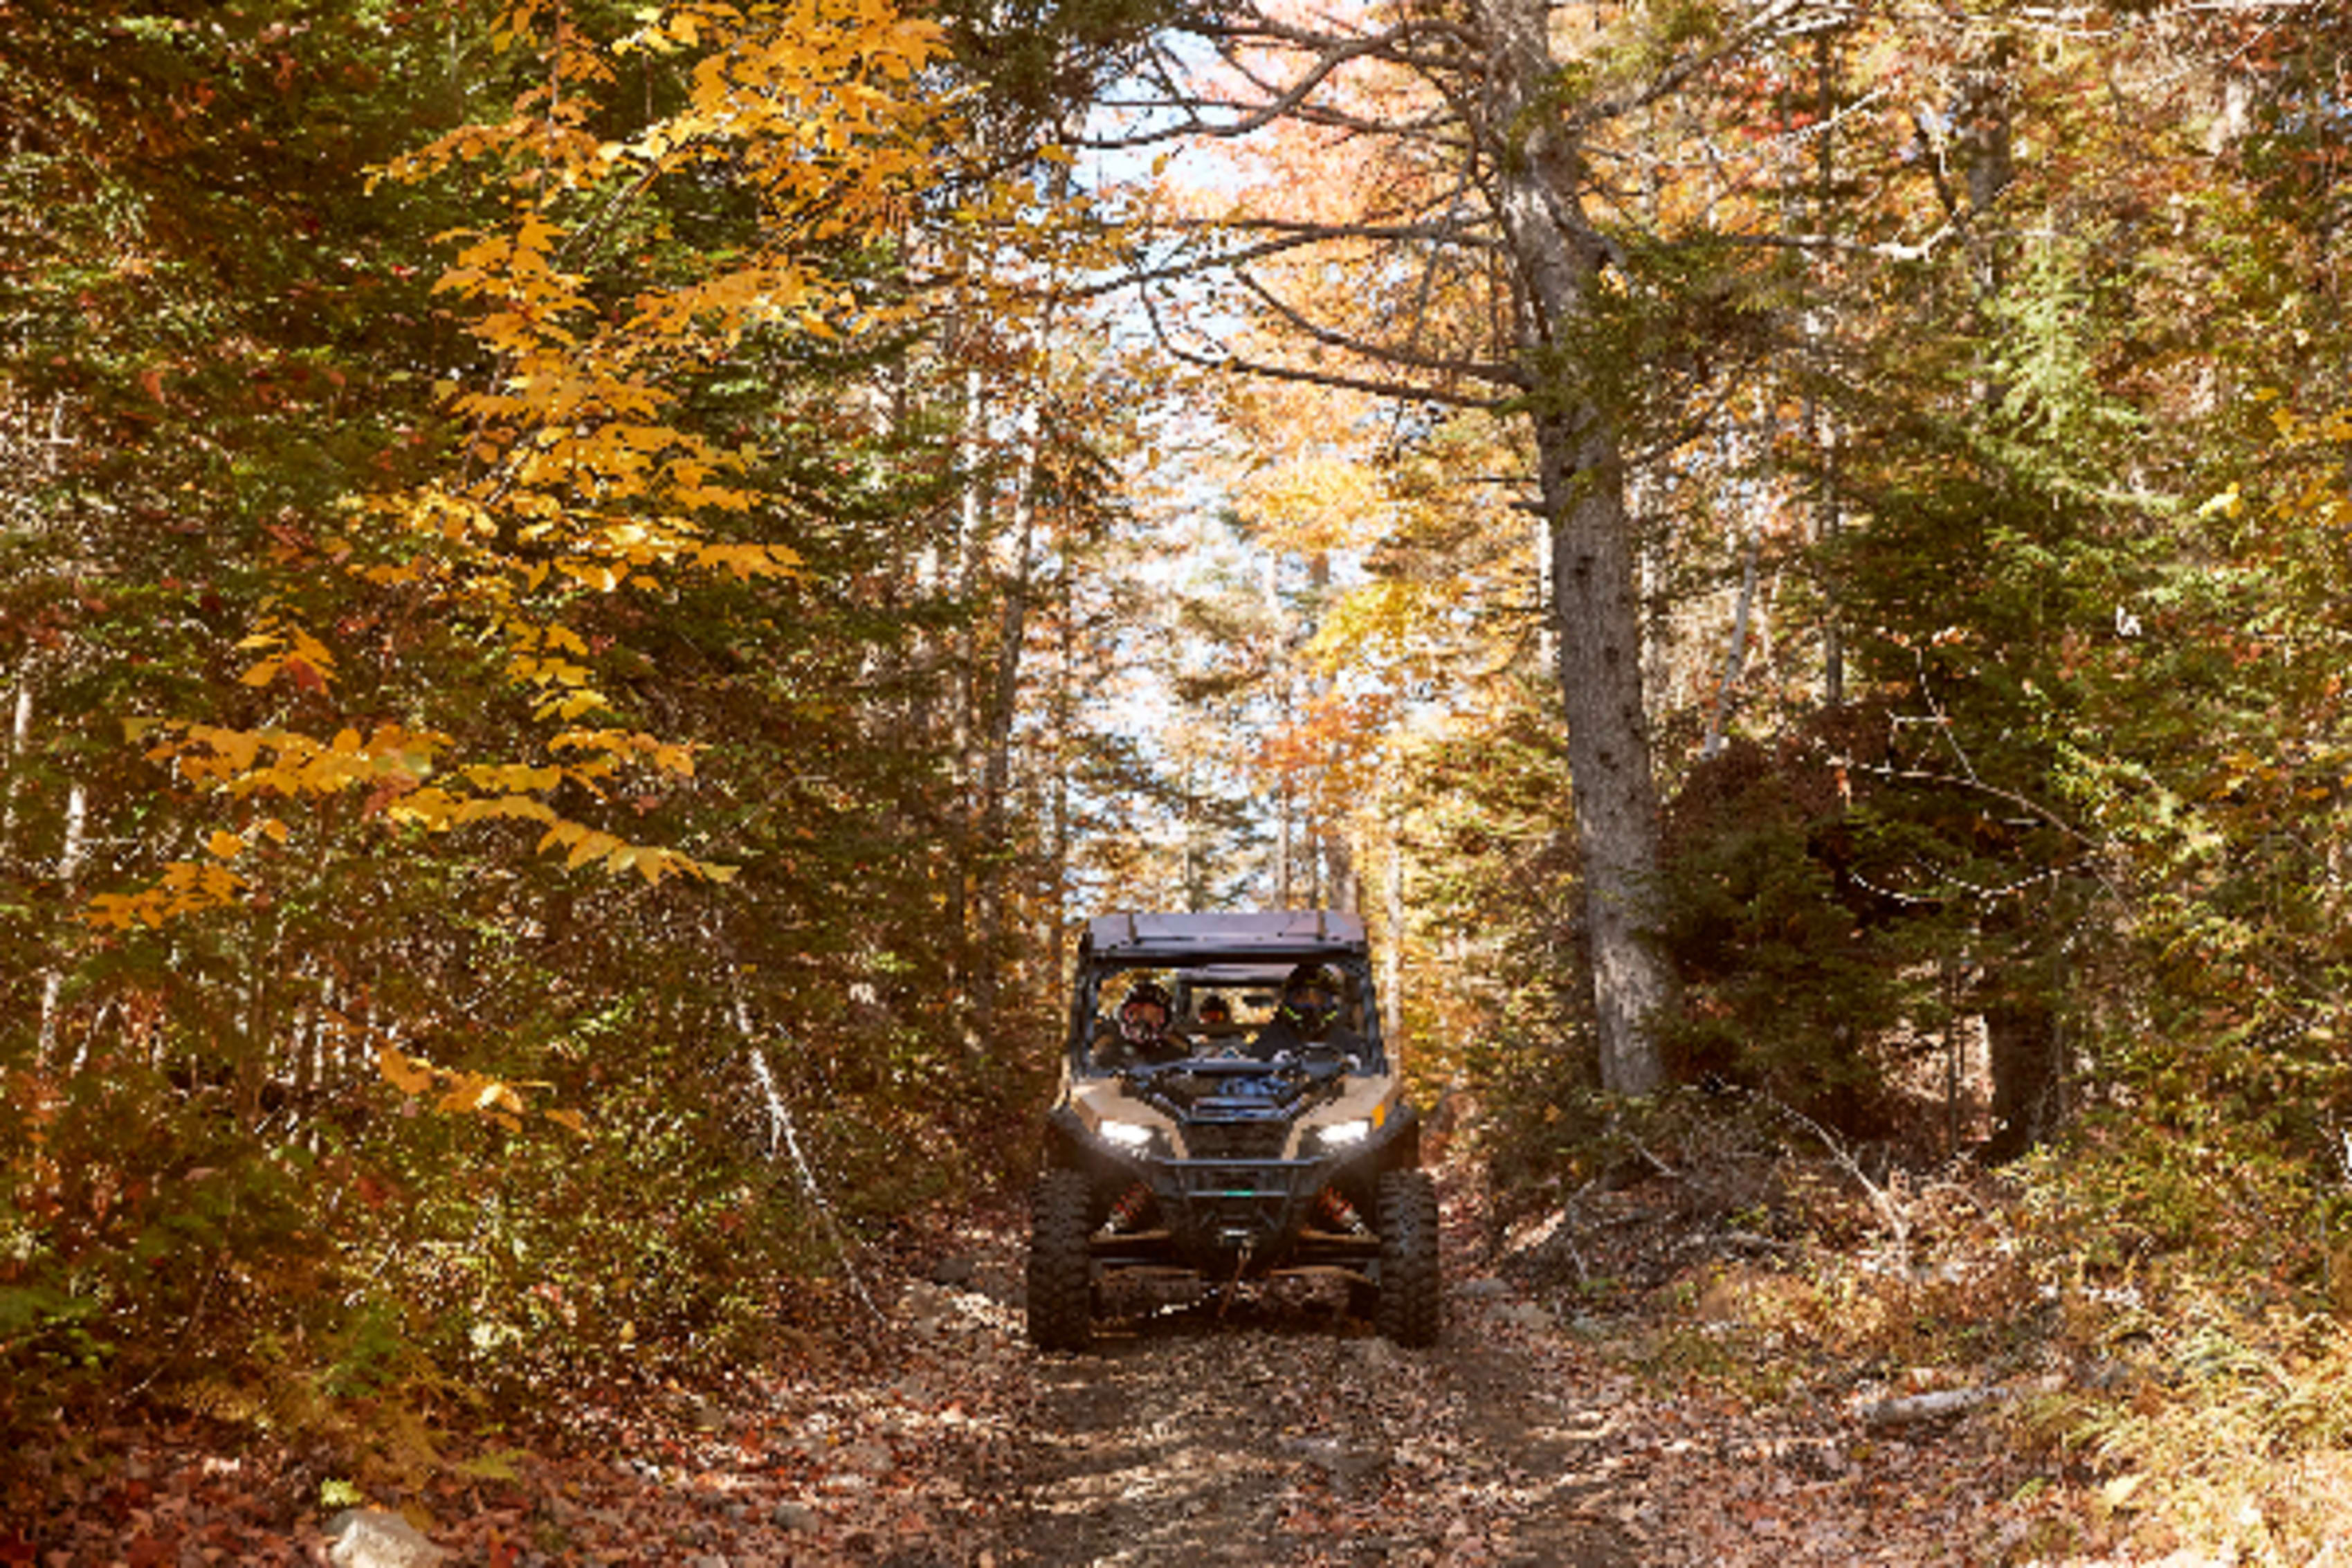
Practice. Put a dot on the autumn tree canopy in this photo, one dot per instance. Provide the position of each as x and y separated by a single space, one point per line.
592 590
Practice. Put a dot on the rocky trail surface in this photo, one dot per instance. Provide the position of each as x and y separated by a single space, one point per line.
1273 1431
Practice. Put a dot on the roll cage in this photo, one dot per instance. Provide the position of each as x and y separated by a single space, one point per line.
1242 955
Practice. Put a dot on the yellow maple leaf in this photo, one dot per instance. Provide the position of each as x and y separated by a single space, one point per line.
405 1073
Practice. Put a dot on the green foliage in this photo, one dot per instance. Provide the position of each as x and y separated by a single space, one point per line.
1678 323
645 1246
425 1121
149 1257
1044 60
1783 981
1494 855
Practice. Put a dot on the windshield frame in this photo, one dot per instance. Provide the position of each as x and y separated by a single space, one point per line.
1227 970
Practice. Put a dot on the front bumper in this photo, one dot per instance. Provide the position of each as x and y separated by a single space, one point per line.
1228 1215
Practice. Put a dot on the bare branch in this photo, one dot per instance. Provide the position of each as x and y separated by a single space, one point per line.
1371 385
1884 251
1680 71
1289 238
1478 370
1448 233
1327 59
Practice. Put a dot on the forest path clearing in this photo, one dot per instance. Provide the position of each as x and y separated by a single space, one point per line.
1279 1434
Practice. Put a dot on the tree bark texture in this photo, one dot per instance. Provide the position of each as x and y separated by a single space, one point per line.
1595 608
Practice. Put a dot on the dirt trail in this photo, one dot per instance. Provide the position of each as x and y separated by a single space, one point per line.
1279 1435
1284 1435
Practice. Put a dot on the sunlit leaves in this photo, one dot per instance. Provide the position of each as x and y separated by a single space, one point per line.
388 768
1317 500
589 847
293 653
455 1092
187 888
290 764
577 473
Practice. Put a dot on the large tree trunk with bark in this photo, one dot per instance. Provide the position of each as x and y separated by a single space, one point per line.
1595 608
1600 644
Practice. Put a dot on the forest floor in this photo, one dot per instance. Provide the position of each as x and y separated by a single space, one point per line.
1274 1432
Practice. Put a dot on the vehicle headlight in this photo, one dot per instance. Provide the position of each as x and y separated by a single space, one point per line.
1339 1134
1126 1134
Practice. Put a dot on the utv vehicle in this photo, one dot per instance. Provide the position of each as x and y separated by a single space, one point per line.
1238 1151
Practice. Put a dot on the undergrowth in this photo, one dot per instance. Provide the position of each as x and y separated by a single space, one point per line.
2171 1350
364 1288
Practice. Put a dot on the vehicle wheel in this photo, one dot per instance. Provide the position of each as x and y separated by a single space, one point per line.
1411 1305
1061 1283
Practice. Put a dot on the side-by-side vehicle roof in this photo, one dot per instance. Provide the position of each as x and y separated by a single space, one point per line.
1192 937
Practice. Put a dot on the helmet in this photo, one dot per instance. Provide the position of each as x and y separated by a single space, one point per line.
1310 999
1143 1016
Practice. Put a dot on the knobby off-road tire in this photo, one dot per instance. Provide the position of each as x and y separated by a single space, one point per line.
1411 1306
1061 1284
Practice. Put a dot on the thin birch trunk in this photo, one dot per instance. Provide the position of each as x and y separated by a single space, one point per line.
1828 523
69 860
20 739
1013 631
973 519
1392 958
783 1137
1058 904
1735 659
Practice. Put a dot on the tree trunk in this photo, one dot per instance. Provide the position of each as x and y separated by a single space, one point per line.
1340 889
1595 606
991 865
20 740
2020 1022
69 858
1735 658
2021 1040
2021 946
971 526
1064 677
1392 965
1818 432
1608 753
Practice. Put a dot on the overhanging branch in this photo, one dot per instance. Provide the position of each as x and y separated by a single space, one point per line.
1476 369
1373 386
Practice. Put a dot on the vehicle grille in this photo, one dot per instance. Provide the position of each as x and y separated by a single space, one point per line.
1236 1139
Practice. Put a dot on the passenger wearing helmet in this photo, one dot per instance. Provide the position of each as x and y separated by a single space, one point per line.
1308 1018
1139 1034
1213 1021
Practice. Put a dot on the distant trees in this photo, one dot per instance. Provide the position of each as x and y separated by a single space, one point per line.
1869 373
1448 253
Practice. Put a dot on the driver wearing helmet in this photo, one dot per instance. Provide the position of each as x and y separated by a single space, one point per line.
1140 1032
1306 1018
